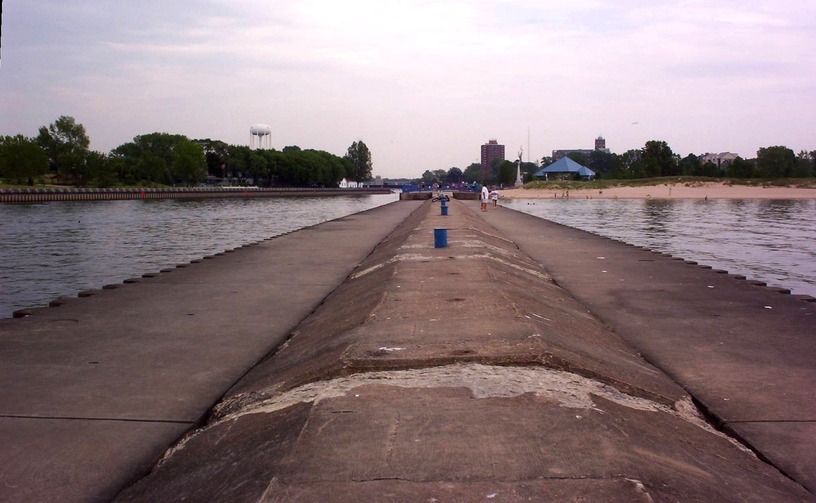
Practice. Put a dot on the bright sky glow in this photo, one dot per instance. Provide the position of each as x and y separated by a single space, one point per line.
424 82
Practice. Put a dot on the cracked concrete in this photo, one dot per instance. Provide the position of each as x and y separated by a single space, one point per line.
456 374
484 381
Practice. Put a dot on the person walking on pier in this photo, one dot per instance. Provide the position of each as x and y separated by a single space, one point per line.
494 196
484 197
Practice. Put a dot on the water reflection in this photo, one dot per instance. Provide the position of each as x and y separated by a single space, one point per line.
54 249
769 240
658 216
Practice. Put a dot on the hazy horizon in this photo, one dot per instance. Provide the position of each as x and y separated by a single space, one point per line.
423 83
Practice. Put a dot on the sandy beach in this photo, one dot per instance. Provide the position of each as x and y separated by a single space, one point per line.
708 190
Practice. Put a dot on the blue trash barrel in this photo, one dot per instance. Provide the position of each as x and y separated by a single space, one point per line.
440 238
444 211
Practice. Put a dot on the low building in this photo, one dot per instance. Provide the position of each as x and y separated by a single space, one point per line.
600 146
564 168
348 184
722 159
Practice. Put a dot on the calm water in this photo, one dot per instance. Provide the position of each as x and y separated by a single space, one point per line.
772 241
48 250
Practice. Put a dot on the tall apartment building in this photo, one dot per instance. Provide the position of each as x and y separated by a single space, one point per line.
490 152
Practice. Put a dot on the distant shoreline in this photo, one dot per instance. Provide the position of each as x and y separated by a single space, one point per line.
704 190
74 194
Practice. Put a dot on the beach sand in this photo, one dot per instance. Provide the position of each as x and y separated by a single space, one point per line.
707 190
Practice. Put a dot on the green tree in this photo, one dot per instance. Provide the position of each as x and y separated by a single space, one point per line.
236 161
441 176
473 173
528 169
740 168
775 162
215 152
455 175
493 172
101 170
600 162
710 169
21 160
162 158
66 143
189 162
578 157
691 166
812 155
331 169
804 165
630 164
658 160
360 159
506 173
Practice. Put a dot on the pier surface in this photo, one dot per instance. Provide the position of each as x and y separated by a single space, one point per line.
524 361
94 391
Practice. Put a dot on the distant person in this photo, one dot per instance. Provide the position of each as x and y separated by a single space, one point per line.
484 197
494 196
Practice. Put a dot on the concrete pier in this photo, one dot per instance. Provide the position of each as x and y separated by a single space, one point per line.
523 361
92 392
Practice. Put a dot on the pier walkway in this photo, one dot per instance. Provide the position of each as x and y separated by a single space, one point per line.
93 392
525 361
744 351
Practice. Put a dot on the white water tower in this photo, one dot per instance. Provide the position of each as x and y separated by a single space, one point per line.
261 131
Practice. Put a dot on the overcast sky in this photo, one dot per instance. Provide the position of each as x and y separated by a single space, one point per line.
422 83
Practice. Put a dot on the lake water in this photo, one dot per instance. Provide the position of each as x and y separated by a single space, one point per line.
48 250
768 240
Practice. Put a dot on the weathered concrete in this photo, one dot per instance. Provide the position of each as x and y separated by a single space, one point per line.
745 352
92 392
457 374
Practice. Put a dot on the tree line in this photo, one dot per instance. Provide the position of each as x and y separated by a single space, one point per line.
501 172
655 159
60 152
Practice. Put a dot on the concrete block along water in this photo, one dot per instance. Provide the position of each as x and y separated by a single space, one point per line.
357 359
428 365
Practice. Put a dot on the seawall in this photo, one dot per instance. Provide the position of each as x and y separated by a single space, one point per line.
466 373
354 361
115 194
95 389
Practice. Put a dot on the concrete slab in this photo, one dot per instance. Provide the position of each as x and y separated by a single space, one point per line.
152 356
788 446
500 308
73 459
446 433
462 372
745 352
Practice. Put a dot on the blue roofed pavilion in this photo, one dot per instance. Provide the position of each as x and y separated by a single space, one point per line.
565 166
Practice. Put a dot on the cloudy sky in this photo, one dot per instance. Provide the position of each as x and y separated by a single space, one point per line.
422 83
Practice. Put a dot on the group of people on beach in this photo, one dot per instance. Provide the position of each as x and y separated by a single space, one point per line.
488 195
